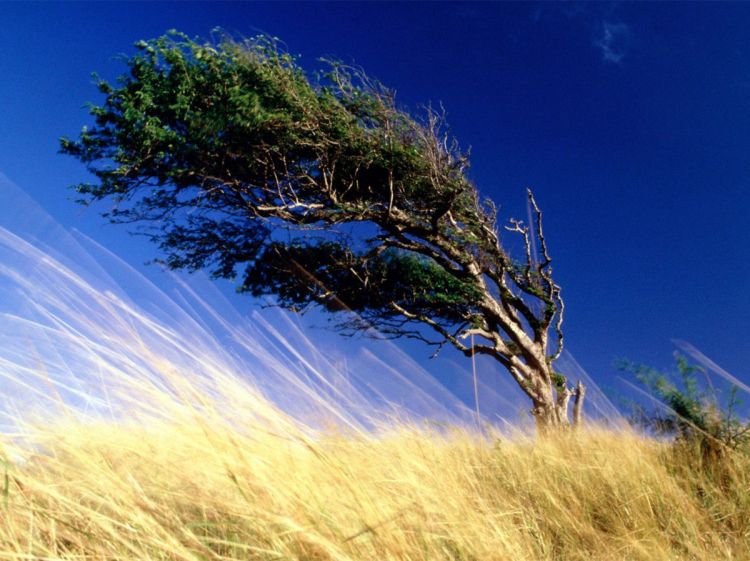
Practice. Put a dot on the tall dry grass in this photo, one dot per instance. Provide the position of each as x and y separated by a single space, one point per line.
197 487
154 444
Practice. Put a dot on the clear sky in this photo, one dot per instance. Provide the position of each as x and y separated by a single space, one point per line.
631 122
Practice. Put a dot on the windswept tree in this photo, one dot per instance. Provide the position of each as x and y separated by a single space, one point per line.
323 192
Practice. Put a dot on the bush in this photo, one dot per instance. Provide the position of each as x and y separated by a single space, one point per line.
691 411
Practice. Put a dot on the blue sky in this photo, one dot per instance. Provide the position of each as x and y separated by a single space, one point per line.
631 122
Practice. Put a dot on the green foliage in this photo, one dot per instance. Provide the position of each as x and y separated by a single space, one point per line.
217 146
559 380
693 414
305 272
190 121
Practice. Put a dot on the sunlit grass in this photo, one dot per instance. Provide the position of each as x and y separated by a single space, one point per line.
139 436
197 487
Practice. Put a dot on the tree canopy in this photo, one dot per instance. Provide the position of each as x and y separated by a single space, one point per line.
321 192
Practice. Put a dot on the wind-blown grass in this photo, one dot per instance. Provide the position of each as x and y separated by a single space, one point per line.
197 488
141 436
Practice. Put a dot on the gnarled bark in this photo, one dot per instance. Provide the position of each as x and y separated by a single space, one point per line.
552 414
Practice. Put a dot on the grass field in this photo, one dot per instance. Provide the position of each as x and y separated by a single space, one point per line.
154 444
198 487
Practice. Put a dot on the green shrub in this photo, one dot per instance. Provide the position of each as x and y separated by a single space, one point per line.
691 411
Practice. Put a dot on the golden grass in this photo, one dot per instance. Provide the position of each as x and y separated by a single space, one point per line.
195 488
200 466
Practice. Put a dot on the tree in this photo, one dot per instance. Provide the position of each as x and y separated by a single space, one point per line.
323 192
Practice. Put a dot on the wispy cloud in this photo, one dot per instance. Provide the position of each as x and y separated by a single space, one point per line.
608 34
612 40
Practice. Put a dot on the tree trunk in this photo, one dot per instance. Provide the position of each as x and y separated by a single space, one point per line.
578 406
551 412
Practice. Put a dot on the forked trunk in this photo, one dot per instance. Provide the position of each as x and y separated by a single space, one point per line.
550 417
551 412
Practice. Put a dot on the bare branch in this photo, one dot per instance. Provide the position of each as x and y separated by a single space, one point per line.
558 324
517 226
450 337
